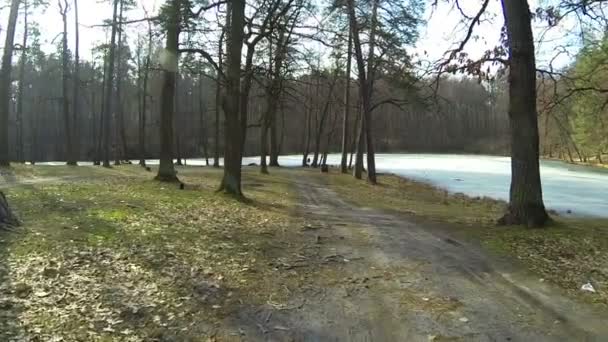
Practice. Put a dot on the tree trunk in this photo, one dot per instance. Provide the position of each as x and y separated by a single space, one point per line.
307 129
7 218
142 127
202 123
120 153
70 148
231 182
365 83
76 85
354 144
34 133
526 200
218 93
166 169
109 81
5 82
321 126
358 171
22 62
343 163
264 143
274 141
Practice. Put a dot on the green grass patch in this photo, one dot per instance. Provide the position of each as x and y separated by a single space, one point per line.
110 254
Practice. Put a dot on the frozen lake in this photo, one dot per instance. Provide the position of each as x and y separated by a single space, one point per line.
583 190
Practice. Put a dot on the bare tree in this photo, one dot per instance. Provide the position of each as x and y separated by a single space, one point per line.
20 94
231 182
108 86
526 199
343 162
5 82
76 85
70 148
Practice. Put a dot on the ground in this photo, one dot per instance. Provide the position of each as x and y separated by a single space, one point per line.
111 255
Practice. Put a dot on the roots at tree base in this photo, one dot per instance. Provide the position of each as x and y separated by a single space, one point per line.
167 178
7 218
532 216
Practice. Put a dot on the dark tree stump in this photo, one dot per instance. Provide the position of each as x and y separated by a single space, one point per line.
7 218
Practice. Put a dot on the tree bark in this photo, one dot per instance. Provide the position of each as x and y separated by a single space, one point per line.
231 182
70 148
109 82
22 62
358 170
218 93
307 130
366 82
343 163
5 82
7 217
144 109
76 85
202 121
166 169
525 200
120 153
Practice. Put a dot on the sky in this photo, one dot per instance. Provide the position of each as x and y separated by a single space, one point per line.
444 28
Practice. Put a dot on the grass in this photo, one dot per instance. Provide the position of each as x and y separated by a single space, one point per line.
570 252
110 254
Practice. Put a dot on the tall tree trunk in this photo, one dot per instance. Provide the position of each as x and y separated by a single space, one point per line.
5 82
366 82
22 63
202 122
166 169
76 85
120 153
526 200
109 81
70 148
218 94
307 130
231 182
144 109
358 170
34 132
264 143
343 163
274 141
353 147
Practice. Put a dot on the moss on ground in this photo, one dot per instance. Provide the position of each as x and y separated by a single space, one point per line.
569 252
110 254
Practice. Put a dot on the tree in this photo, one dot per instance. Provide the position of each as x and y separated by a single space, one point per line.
108 86
20 94
76 81
525 200
231 181
70 148
5 82
365 82
169 65
343 162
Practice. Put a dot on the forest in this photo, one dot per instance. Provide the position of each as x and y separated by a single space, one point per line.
127 101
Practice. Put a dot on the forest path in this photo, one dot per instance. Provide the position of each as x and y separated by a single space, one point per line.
407 282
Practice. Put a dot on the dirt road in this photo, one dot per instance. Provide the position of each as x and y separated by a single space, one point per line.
407 282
